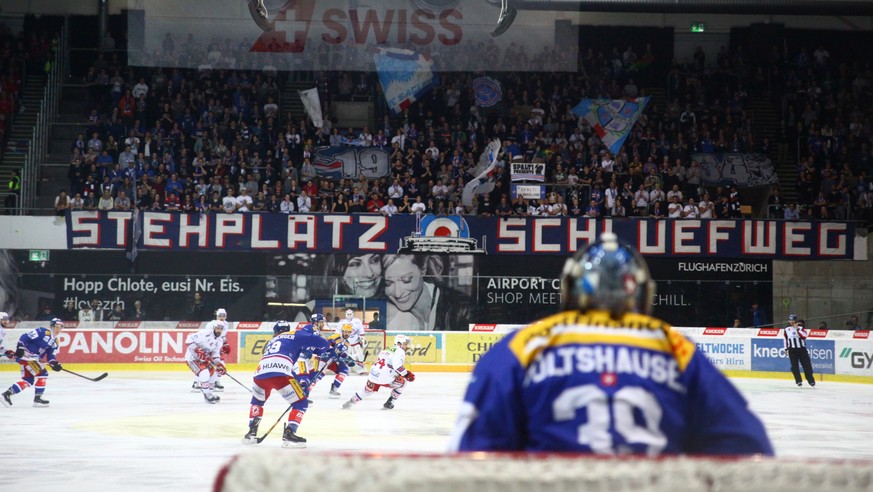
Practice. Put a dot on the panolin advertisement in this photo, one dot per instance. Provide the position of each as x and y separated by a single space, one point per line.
341 35
124 346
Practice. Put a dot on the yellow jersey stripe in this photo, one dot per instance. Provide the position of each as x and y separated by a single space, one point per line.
533 339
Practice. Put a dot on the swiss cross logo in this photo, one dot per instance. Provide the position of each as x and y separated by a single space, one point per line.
711 330
484 327
768 332
294 18
818 333
862 334
127 324
248 325
608 379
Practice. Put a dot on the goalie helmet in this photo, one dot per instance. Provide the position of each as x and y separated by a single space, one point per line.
401 339
350 314
607 275
281 327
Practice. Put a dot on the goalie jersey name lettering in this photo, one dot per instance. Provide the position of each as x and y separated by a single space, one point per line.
658 368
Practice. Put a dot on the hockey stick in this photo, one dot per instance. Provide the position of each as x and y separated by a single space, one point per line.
235 380
98 378
306 391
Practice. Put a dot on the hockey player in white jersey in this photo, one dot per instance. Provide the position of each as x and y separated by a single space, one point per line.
352 330
388 370
4 322
220 320
203 357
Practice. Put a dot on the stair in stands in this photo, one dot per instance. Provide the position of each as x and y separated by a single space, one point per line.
767 124
18 143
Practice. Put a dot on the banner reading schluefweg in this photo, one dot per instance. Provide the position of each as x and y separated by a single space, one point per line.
364 233
340 35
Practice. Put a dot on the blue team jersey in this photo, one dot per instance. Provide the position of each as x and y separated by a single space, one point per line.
586 382
283 350
39 343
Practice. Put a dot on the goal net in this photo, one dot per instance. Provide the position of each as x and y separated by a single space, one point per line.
266 471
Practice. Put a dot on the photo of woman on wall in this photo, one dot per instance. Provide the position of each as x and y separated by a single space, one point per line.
419 298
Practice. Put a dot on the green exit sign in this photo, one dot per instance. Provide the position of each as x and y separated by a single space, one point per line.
698 27
39 255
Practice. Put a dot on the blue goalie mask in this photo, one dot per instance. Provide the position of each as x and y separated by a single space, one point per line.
607 275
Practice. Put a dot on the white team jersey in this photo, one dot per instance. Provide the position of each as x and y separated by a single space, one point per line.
204 339
2 336
388 366
357 330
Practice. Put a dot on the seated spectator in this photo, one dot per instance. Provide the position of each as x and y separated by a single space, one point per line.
62 204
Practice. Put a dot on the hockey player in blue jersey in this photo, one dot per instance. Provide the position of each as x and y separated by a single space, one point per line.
604 377
33 347
276 372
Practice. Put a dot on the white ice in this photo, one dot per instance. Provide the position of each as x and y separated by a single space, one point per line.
146 431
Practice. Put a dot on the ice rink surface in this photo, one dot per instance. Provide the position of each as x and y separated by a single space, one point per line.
147 431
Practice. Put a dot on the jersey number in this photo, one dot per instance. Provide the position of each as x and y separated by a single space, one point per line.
380 362
273 347
596 432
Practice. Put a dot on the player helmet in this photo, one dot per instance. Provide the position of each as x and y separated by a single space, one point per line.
347 330
316 318
4 317
220 312
56 325
281 327
350 314
792 317
401 339
607 275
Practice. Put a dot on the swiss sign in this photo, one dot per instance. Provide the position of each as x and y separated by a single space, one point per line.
187 325
768 332
127 324
818 333
862 334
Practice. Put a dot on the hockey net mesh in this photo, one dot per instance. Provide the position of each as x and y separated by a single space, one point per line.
263 471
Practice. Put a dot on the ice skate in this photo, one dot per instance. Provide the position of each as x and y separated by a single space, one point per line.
799 385
334 394
6 398
251 436
40 402
347 405
218 387
292 440
195 387
210 398
389 405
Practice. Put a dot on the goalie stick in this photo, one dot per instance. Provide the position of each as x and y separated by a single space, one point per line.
314 378
98 378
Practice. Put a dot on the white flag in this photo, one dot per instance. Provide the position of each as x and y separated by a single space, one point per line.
312 104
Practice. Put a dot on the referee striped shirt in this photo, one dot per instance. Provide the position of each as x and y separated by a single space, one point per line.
795 336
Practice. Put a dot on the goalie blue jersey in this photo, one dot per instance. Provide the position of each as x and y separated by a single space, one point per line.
585 382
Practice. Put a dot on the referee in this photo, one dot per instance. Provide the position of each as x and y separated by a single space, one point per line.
795 344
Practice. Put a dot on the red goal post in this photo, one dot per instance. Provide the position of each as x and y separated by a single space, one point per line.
280 470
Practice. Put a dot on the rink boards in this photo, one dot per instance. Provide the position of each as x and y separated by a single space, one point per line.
837 355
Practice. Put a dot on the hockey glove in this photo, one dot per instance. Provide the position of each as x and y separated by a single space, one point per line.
305 354
10 354
55 365
409 376
225 349
19 351
220 369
